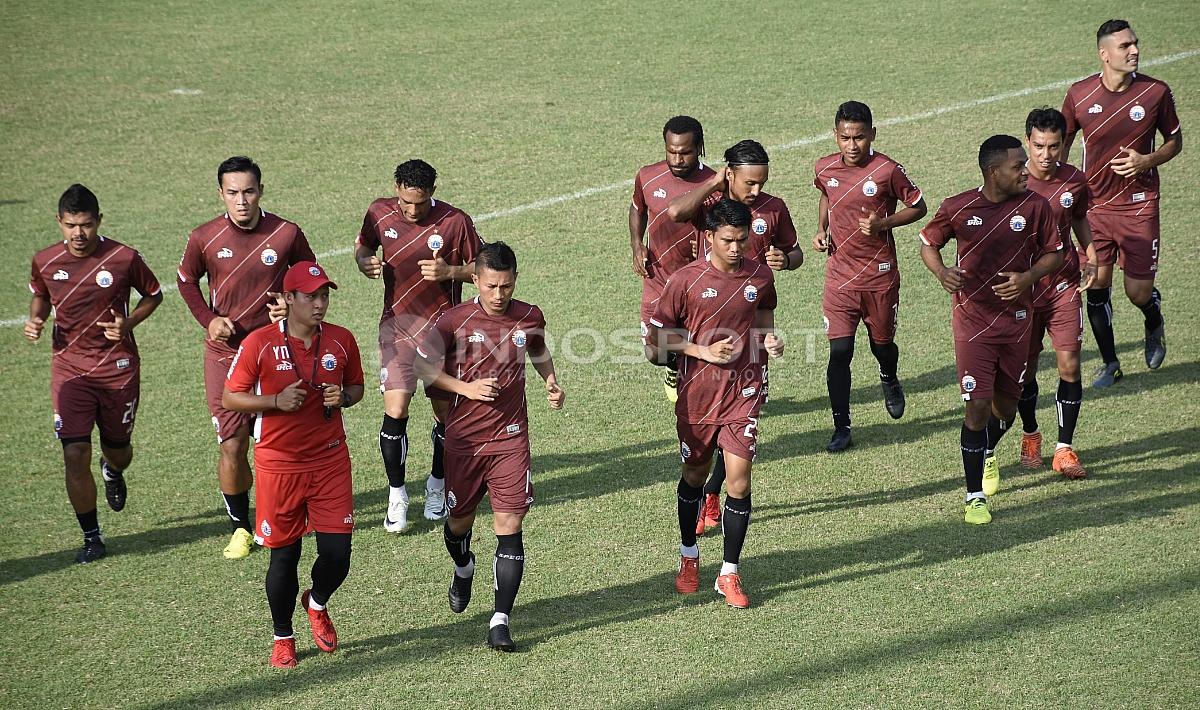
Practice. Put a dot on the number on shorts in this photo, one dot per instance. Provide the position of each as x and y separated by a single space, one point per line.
130 411
1154 251
751 428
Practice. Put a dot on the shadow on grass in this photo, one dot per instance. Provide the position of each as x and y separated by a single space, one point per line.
1102 502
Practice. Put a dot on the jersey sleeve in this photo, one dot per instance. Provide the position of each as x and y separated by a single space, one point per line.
903 187
301 250
768 298
141 277
37 285
785 231
1083 201
244 372
1048 238
671 305
639 200
193 267
1168 119
817 183
1068 111
368 236
469 241
939 230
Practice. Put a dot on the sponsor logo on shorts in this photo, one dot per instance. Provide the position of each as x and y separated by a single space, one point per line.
348 520
512 429
434 242
57 422
832 182
975 221
265 528
1017 223
684 450
1066 199
750 292
391 233
709 293
660 193
269 257
1021 314
759 226
885 266
825 322
870 188
519 339
382 375
1096 108
749 391
104 279
968 383
314 271
451 499
123 363
225 253
1138 197
61 275
1137 112
645 330
328 361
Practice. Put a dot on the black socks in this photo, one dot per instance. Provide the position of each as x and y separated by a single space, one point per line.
734 523
237 505
689 511
973 444
509 566
1099 311
393 444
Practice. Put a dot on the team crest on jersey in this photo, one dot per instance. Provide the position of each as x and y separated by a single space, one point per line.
104 279
870 188
518 338
1017 223
434 242
975 221
57 422
225 253
832 182
61 275
382 375
968 383
750 292
825 321
391 233
684 450
265 528
1137 113
1066 200
451 499
329 362
660 194
269 257
759 226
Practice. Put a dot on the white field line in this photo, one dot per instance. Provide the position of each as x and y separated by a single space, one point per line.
791 145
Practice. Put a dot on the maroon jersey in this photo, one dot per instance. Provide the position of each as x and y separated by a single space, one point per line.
477 345
712 305
242 266
856 261
412 301
267 363
770 226
992 237
669 244
1067 193
1110 121
83 289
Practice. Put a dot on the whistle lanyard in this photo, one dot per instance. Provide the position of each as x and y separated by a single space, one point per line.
287 348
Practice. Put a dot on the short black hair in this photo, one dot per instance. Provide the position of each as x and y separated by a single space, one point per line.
727 212
746 152
995 149
682 125
77 199
1110 28
416 173
1046 119
853 112
496 256
238 164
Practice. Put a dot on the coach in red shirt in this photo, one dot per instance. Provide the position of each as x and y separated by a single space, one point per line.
297 375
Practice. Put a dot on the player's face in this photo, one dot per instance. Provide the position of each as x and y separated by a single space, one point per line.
727 244
1119 51
495 288
414 203
241 192
81 231
746 181
854 141
1011 176
1044 149
308 308
683 155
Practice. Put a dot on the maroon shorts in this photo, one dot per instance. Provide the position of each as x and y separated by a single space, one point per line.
504 476
988 369
1062 317
698 441
842 309
216 371
80 404
289 504
1129 240
397 352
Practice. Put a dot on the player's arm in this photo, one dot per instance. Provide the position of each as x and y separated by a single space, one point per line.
1083 235
675 340
951 278
432 372
821 241
367 260
764 327
1129 162
904 217
192 268
543 362
119 326
1017 282
637 229
685 207
1068 141
288 400
39 311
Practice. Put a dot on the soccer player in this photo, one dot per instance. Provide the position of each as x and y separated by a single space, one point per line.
476 352
660 245
772 241
1006 241
857 213
1056 301
244 253
428 249
297 375
718 315
94 370
1119 111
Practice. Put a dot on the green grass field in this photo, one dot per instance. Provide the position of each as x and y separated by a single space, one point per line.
868 589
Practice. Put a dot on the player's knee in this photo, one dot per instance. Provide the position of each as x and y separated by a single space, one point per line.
119 457
1139 291
334 547
1068 366
396 411
235 447
977 413
507 523
1004 407
841 351
695 474
77 455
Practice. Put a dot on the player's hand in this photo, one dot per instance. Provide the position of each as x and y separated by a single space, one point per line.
220 329
1089 276
773 346
555 395
1016 283
435 268
719 352
821 240
114 329
292 396
331 395
869 223
371 267
952 278
276 306
484 390
1129 163
720 181
641 258
33 327
776 259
